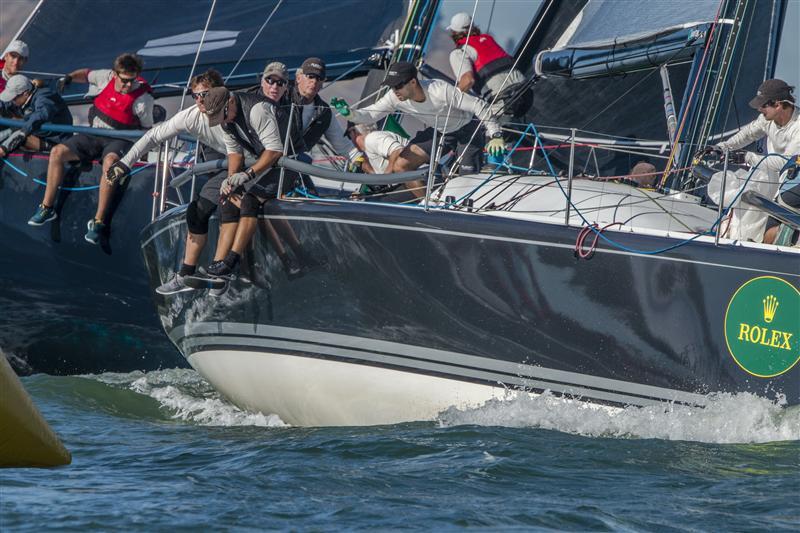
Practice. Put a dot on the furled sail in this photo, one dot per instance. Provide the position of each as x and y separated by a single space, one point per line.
167 35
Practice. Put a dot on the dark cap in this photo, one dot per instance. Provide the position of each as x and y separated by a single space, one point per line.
772 91
215 102
313 65
400 72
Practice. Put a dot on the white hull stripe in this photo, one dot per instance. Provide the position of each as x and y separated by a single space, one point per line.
398 354
545 244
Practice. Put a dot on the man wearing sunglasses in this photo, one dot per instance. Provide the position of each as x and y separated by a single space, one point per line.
430 102
318 123
122 100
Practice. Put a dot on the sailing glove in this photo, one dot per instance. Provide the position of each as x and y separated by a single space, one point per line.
62 83
356 164
233 182
341 106
119 171
496 147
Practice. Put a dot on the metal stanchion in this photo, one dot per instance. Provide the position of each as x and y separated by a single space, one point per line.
721 206
155 185
164 173
286 150
569 176
432 169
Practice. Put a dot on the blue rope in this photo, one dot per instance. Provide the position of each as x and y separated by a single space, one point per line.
660 250
87 187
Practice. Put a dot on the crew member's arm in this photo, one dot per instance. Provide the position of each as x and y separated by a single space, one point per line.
748 134
44 109
462 67
143 108
341 144
470 104
373 113
169 129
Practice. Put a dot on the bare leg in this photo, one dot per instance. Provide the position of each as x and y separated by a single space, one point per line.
227 233
106 188
272 235
771 234
247 227
194 247
55 172
411 158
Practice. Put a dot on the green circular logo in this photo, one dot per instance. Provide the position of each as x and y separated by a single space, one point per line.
762 326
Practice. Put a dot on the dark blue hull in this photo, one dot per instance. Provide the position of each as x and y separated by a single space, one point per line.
70 307
482 299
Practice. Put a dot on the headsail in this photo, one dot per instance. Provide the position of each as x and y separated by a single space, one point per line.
167 35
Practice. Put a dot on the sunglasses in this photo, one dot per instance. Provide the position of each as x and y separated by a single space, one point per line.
275 81
199 95
125 81
315 77
399 85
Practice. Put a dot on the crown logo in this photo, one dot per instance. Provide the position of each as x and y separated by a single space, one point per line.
770 306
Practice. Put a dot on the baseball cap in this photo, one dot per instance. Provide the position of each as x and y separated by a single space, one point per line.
313 65
769 91
460 22
276 68
15 86
215 102
19 47
400 72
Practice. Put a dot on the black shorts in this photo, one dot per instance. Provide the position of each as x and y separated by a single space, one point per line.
461 140
266 187
89 148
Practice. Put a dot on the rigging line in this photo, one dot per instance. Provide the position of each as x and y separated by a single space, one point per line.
440 146
732 84
258 33
502 86
197 55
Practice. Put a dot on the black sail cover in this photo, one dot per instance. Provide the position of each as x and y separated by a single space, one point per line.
67 34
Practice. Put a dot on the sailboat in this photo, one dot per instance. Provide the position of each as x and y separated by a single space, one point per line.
70 307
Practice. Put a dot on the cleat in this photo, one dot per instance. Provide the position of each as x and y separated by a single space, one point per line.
174 285
42 215
93 231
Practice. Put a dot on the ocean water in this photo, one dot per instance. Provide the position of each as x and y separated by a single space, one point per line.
162 451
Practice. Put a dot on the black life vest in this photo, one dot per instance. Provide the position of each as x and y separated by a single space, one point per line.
320 120
241 129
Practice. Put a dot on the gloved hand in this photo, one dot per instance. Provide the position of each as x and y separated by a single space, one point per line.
119 171
739 157
714 151
12 142
341 106
233 182
496 147
356 164
63 82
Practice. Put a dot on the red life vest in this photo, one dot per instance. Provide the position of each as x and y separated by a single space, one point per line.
2 79
116 109
492 59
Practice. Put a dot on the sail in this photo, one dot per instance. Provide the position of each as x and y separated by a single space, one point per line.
167 35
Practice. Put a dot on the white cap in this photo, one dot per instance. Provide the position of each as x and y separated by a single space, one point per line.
15 86
460 22
18 47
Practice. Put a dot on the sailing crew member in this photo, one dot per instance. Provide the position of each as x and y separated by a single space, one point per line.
430 101
122 100
14 58
249 123
36 105
778 121
480 64
382 148
318 122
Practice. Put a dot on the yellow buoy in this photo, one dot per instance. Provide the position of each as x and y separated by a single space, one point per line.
25 438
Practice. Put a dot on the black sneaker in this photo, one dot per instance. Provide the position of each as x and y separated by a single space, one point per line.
220 269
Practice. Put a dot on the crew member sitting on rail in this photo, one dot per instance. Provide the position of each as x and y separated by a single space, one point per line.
36 106
122 101
777 121
252 123
479 63
430 101
382 148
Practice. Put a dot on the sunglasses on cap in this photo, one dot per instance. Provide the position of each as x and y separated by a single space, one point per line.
199 95
275 81
125 81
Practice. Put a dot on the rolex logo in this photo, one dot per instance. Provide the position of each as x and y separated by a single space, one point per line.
770 306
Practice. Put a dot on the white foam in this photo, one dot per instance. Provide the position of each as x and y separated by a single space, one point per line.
189 397
740 418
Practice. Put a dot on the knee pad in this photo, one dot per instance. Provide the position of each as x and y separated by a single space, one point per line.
229 213
197 215
251 206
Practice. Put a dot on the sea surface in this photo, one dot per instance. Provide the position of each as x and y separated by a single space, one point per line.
162 451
